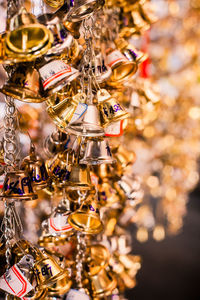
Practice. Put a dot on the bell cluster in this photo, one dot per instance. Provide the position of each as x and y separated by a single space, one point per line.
103 146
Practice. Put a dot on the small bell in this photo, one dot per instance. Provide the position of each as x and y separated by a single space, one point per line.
17 186
131 53
24 85
123 157
87 218
110 110
103 283
122 68
60 167
26 35
108 195
47 270
97 152
97 258
73 28
88 125
55 74
79 178
63 113
55 143
36 169
82 9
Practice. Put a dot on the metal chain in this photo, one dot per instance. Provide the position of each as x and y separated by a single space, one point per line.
10 138
80 257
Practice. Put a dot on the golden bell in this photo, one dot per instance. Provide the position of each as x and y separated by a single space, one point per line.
60 287
55 143
122 68
88 125
103 283
55 74
73 28
63 112
79 178
47 270
97 152
108 195
36 169
97 258
24 85
130 51
110 110
82 9
87 218
123 157
60 168
17 186
25 34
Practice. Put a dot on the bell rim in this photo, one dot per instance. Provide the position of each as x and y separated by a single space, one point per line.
76 227
78 186
13 58
75 15
97 161
112 81
19 197
61 290
73 130
18 94
40 46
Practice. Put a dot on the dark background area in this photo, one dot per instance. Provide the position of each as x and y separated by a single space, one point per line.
171 268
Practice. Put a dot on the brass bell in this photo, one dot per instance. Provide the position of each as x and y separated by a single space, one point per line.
47 270
60 167
55 143
36 169
122 68
87 218
26 35
55 74
73 28
97 152
110 110
88 125
79 178
17 186
97 258
123 157
103 283
62 286
63 113
82 9
24 85
108 194
130 51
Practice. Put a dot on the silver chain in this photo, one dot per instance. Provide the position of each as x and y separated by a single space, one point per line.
10 138
80 257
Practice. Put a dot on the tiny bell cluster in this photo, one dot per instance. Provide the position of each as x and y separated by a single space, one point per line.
85 103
